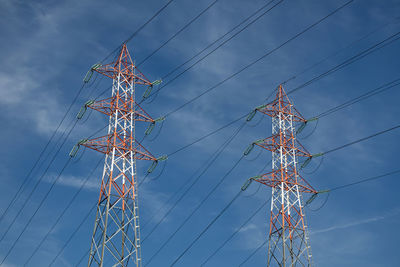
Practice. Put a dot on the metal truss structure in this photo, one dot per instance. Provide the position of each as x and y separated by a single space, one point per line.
116 234
288 243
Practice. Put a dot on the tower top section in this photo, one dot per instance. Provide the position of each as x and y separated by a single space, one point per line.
123 65
281 105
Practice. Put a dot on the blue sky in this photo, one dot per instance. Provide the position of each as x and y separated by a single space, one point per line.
48 46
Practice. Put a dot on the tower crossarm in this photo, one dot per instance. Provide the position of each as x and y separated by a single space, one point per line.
123 147
275 143
272 111
126 107
124 67
287 178
281 105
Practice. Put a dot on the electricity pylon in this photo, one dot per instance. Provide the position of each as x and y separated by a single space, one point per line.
116 234
288 243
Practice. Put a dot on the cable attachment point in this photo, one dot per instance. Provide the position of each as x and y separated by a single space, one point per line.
248 149
251 146
251 115
304 124
84 108
311 199
155 163
308 160
248 182
75 149
147 93
152 124
89 74
314 196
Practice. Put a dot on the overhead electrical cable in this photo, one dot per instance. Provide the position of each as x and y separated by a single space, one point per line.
25 180
182 186
72 236
139 29
54 133
361 181
215 49
380 27
64 117
218 39
263 205
37 183
222 148
178 32
253 253
206 228
364 96
221 37
257 60
63 212
209 162
361 139
198 207
70 107
36 210
229 204
394 37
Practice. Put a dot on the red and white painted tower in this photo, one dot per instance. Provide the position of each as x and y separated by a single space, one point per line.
288 243
116 234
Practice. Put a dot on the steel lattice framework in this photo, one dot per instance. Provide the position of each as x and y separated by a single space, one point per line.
288 243
116 234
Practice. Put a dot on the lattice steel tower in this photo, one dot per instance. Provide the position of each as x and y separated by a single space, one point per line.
116 234
288 243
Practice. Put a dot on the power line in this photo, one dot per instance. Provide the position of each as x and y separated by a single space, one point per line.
364 96
197 208
253 253
184 184
234 233
53 135
213 221
210 161
38 182
362 139
223 43
258 59
348 103
41 153
179 31
208 165
342 49
63 212
73 102
206 228
216 48
364 180
139 29
219 38
351 60
72 235
263 205
207 135
35 212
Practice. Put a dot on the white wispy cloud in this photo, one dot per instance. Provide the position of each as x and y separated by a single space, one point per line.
357 223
